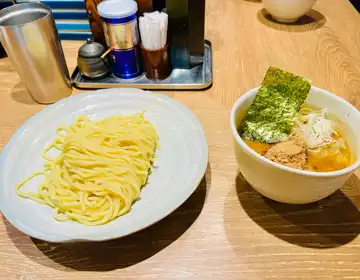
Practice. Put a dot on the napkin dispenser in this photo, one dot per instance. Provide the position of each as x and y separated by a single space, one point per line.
186 29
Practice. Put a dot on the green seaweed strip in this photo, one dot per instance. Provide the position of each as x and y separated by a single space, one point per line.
298 87
271 116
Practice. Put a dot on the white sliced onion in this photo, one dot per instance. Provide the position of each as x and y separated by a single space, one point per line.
316 129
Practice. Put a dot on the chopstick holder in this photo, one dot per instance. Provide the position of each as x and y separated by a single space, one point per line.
155 51
156 63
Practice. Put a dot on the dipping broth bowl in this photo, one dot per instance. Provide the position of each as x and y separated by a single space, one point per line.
288 11
289 185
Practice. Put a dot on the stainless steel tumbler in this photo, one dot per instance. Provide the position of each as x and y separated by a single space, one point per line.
30 38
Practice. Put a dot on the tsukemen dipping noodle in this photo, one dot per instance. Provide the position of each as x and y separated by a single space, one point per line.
280 126
100 170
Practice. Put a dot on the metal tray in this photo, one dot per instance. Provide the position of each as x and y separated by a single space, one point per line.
196 78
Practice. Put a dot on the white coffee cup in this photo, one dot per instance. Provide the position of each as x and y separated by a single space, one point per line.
288 11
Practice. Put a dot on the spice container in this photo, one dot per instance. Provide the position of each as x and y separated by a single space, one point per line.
90 60
122 35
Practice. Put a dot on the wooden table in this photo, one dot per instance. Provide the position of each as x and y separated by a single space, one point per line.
225 230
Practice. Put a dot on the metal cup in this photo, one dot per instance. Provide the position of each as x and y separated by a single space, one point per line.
30 38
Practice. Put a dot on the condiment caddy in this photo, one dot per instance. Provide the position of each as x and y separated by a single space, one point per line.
176 59
196 78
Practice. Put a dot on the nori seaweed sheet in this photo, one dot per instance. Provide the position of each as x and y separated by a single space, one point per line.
270 117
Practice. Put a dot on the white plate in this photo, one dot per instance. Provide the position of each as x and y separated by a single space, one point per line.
181 163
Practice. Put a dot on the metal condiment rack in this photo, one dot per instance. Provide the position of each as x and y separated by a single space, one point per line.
199 77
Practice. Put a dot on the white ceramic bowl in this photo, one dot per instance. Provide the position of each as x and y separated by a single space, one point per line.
290 185
288 10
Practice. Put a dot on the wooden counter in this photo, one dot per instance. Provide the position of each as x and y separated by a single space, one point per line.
225 230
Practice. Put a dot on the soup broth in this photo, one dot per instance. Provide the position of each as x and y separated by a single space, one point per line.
333 156
260 148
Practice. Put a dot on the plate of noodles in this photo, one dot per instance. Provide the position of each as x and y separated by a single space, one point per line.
101 165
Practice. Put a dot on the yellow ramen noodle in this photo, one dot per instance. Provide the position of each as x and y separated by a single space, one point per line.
100 170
